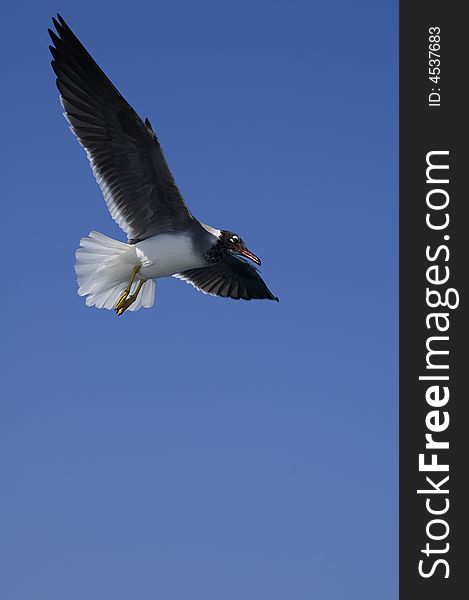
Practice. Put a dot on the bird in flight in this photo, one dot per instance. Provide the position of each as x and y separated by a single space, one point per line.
163 237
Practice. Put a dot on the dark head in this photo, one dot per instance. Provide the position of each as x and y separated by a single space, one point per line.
234 244
231 243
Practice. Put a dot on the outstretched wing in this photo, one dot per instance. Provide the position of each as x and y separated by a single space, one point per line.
124 152
231 278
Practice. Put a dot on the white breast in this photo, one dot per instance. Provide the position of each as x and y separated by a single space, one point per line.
166 254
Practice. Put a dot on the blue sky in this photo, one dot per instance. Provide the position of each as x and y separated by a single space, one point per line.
207 449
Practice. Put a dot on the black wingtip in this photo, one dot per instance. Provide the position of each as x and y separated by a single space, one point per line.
54 37
60 23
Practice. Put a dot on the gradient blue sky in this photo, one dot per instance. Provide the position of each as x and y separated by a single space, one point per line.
207 449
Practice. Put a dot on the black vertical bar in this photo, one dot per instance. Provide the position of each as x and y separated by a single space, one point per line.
434 119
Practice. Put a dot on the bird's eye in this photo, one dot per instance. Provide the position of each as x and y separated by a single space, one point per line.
235 239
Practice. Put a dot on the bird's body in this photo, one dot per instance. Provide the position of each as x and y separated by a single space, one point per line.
164 238
165 254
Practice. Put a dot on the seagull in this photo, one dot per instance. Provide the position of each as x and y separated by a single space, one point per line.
163 237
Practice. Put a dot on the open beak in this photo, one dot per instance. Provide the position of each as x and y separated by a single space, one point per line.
248 254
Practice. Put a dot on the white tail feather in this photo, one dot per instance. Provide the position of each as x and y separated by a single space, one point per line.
103 267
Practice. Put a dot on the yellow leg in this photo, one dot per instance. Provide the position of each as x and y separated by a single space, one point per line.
126 292
129 299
